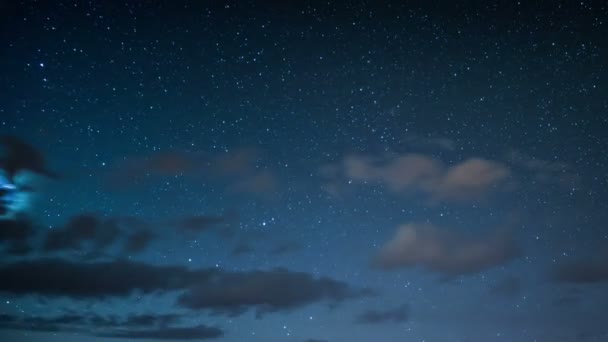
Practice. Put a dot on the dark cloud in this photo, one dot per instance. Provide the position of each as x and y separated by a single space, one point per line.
592 270
147 326
87 233
4 318
222 226
199 223
267 291
508 287
55 277
63 323
65 319
263 183
93 234
397 315
151 320
286 247
445 252
134 320
80 230
15 235
469 179
15 230
200 332
220 291
104 321
138 241
242 248
20 248
17 155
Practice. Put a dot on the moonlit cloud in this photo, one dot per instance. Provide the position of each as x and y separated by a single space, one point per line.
445 252
417 173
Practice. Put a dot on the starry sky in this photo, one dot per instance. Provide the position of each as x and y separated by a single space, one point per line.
307 172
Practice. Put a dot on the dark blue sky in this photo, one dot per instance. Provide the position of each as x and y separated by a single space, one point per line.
303 172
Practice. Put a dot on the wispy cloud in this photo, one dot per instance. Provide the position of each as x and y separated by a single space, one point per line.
394 315
243 170
582 271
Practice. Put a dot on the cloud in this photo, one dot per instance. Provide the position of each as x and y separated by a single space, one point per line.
240 170
469 179
134 320
94 234
86 233
65 319
222 226
162 164
267 291
237 162
140 232
262 183
544 171
584 271
14 236
315 340
200 332
81 229
444 252
245 168
242 248
4 318
39 323
17 155
138 241
56 277
198 223
286 247
8 322
219 291
8 195
396 315
169 163
19 161
151 320
146 326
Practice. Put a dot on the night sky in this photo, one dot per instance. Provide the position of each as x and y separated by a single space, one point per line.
307 172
